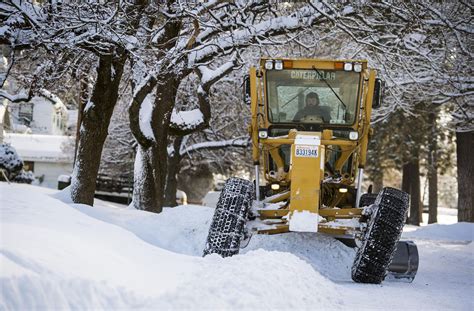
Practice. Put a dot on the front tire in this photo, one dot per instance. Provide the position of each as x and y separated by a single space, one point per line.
381 236
230 217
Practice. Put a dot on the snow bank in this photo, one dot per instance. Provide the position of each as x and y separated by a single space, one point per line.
326 255
55 255
55 246
261 280
174 229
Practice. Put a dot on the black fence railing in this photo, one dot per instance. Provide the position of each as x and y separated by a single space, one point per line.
118 184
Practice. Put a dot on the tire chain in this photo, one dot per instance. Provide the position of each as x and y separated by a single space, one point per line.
381 236
230 217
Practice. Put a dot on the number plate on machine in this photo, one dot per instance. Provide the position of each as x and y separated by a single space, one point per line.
306 151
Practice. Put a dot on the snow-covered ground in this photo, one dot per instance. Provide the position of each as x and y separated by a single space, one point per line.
57 255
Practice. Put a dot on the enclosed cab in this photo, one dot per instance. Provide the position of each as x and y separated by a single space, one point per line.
310 130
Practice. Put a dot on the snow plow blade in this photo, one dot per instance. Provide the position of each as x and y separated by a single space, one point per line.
405 262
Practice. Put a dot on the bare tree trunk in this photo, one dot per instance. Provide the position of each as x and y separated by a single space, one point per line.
155 149
153 158
83 96
94 127
411 184
433 172
433 195
465 150
164 103
172 176
415 208
144 189
406 178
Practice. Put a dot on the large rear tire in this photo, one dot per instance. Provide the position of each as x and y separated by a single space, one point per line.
367 199
230 217
381 236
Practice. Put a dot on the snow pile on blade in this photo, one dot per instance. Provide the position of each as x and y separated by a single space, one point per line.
56 255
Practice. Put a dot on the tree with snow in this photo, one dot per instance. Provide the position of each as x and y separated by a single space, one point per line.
162 44
219 149
10 162
98 34
204 40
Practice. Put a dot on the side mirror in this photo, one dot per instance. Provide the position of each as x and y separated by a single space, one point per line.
378 90
247 90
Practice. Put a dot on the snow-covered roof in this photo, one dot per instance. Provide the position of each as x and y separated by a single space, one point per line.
41 148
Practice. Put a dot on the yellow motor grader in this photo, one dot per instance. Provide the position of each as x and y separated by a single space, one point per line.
310 130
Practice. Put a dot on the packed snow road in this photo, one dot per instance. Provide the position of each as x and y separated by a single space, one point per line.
57 255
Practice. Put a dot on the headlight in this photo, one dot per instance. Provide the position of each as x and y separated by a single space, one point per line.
275 186
353 135
348 66
357 67
269 64
278 65
262 133
343 190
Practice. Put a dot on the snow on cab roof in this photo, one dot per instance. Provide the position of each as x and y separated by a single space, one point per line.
41 148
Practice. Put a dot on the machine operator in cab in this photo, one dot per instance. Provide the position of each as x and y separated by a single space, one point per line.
312 110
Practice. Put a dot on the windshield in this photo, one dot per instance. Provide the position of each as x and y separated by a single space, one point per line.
310 96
